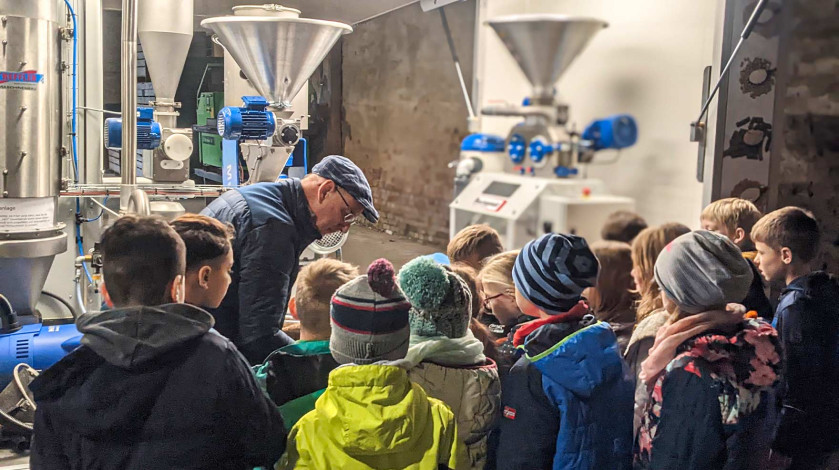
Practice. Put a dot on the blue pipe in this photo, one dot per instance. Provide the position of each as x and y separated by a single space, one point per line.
73 138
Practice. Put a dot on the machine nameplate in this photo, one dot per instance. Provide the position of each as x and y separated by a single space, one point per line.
26 80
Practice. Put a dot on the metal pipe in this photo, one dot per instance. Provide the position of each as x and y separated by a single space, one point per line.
128 90
456 63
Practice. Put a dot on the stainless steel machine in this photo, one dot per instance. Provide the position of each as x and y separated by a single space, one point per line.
30 142
267 127
529 182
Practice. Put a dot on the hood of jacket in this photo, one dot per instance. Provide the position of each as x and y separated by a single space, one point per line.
129 337
580 356
373 409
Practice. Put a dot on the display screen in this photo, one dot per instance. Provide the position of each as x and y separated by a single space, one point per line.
497 188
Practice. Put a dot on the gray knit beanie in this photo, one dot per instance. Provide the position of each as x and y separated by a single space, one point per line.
441 302
703 270
369 318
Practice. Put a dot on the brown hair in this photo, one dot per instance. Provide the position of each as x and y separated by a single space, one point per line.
316 284
205 238
791 227
615 298
645 250
480 239
141 256
469 275
622 226
732 212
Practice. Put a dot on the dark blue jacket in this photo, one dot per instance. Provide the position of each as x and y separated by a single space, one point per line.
273 226
807 321
153 388
567 404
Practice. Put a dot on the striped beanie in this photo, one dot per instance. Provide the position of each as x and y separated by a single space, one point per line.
553 270
369 318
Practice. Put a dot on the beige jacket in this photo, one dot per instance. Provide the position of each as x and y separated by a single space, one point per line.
474 395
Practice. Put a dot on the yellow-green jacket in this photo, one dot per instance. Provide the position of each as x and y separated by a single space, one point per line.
374 417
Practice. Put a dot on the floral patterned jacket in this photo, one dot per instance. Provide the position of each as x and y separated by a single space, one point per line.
709 408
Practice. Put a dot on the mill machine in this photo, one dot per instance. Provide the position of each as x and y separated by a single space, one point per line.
529 182
267 128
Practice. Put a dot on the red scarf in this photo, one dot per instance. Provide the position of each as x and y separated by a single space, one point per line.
576 313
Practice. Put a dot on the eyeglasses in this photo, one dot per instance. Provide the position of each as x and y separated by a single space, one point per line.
487 300
349 218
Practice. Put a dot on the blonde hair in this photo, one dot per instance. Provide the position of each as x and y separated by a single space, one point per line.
791 227
615 298
645 250
499 268
316 284
732 212
480 239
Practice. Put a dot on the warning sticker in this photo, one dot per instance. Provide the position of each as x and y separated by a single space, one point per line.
27 214
26 80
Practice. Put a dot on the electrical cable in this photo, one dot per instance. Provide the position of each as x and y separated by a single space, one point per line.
63 302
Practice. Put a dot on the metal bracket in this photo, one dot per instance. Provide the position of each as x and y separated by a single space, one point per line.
699 130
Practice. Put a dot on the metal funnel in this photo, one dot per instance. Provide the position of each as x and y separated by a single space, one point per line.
545 45
24 266
165 31
276 54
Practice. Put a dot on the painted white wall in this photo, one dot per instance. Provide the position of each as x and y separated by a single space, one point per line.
647 63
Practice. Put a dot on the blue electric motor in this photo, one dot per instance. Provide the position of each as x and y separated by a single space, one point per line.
614 132
250 122
148 131
37 344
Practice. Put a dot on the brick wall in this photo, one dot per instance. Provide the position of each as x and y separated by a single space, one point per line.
404 114
808 170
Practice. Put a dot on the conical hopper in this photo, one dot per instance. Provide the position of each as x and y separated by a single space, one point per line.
277 55
165 31
24 266
545 45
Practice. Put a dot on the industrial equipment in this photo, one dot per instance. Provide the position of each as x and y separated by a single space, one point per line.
529 182
266 127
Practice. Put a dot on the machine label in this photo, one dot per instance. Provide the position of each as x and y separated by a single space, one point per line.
26 80
27 214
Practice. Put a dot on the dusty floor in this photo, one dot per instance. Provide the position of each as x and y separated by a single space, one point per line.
365 245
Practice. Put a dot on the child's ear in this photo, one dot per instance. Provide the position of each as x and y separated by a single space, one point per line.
204 276
292 308
739 235
178 290
786 255
106 296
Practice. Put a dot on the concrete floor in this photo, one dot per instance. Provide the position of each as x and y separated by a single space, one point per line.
365 245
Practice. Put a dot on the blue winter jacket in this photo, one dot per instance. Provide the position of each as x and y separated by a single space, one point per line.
567 404
273 225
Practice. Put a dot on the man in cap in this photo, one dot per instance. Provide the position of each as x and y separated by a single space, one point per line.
274 223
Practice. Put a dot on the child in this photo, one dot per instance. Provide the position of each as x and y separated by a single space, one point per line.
371 415
613 300
502 315
622 226
478 329
445 358
152 386
807 320
649 312
473 244
296 375
734 218
568 402
209 258
709 371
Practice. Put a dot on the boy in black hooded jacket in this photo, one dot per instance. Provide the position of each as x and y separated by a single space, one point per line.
153 385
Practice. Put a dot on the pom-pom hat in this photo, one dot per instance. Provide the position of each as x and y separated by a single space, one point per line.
369 318
441 303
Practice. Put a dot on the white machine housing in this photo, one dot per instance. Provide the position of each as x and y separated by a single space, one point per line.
522 208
